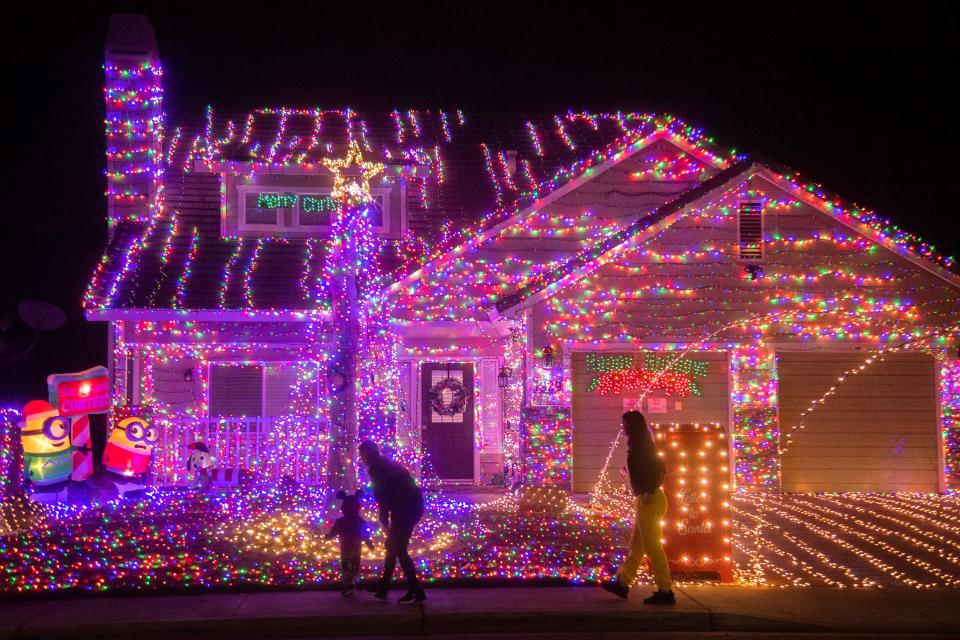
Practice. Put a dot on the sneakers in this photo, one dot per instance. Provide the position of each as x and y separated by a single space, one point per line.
614 587
413 596
378 590
661 597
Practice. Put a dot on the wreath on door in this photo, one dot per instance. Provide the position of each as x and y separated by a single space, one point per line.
448 397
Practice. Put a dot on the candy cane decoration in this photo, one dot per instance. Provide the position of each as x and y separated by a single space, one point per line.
82 451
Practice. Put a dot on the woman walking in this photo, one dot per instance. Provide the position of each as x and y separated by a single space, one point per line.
646 477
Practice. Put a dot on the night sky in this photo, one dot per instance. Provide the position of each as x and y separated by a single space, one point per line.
856 100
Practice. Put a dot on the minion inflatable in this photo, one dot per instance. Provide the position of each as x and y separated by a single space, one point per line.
129 447
47 458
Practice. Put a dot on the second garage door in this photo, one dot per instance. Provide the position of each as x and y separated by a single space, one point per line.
878 432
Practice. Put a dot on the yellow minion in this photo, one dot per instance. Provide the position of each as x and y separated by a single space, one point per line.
46 444
129 448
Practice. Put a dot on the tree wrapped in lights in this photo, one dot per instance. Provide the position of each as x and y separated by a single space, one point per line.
362 366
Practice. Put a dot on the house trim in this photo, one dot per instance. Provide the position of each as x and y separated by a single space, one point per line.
768 171
618 243
666 215
588 174
221 315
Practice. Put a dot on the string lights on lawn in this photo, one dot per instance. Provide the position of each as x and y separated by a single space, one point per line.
842 543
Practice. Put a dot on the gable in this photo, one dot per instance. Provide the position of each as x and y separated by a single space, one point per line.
687 281
542 239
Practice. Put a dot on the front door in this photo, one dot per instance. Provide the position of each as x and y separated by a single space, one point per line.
447 401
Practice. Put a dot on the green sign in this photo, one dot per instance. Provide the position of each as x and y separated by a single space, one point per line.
313 203
317 204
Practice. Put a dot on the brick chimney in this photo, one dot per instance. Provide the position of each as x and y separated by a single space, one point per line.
134 118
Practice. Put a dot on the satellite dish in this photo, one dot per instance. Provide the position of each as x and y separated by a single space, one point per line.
41 316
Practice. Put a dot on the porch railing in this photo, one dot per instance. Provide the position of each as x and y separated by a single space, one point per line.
265 445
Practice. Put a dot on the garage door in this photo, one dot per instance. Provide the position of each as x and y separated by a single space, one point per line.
877 433
596 415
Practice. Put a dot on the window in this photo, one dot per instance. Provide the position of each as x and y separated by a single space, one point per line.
252 390
750 230
264 208
236 390
299 209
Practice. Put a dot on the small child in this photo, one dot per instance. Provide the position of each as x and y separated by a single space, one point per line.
352 530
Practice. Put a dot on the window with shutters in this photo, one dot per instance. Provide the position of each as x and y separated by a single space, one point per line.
750 230
252 390
236 390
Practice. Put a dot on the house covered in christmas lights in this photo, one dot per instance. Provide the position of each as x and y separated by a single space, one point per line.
543 275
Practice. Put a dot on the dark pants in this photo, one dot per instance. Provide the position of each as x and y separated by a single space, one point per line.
398 539
349 565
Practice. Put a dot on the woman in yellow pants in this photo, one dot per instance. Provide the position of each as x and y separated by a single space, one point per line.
646 477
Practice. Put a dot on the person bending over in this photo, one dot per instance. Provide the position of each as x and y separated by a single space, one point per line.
400 504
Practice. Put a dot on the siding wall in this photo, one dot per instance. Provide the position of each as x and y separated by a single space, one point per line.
877 433
566 226
596 418
686 282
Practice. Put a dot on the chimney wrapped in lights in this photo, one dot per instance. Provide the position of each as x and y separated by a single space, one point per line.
134 119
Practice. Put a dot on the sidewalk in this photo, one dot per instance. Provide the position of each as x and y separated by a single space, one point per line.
484 610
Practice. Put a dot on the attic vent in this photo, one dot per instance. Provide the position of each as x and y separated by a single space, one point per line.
750 230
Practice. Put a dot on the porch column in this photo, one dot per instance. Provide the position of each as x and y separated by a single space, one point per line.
755 417
547 433
948 379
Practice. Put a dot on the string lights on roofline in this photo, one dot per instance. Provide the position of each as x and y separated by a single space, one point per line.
683 129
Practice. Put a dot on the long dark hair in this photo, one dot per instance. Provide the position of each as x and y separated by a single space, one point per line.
638 436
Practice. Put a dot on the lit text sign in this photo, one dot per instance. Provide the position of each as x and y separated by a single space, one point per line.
83 393
309 203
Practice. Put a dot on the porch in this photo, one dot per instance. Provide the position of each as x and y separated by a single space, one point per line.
273 447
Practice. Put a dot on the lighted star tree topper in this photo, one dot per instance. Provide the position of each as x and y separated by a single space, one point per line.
362 368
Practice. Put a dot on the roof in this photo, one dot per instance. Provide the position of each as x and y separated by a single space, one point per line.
531 245
178 259
866 222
